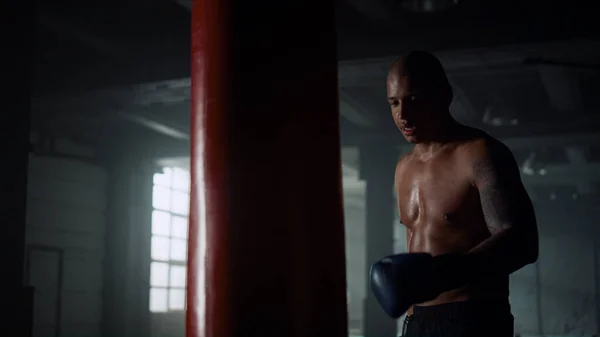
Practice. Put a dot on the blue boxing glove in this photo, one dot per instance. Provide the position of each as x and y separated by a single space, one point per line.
400 281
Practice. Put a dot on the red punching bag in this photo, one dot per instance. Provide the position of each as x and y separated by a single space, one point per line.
266 249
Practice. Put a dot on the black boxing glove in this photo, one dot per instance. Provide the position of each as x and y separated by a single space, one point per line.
403 280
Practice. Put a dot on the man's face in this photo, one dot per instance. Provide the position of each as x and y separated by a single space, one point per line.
414 111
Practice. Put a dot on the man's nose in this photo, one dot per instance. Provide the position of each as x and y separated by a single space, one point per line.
403 111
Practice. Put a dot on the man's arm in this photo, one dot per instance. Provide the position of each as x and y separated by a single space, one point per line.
507 209
397 177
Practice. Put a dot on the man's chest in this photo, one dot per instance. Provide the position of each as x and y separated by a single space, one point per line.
435 192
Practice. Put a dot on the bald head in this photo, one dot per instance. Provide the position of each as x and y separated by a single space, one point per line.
419 95
424 72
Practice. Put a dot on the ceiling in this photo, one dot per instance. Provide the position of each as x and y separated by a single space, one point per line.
118 71
84 45
509 90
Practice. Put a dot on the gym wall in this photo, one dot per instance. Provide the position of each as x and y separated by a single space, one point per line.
66 226
88 238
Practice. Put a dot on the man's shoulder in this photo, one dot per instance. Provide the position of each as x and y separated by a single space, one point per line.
480 146
404 159
403 166
484 155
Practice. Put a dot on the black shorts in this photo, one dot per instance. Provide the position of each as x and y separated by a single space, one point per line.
464 319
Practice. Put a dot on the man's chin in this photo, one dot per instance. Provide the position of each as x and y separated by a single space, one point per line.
412 139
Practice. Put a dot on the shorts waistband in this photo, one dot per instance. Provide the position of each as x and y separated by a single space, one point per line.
462 309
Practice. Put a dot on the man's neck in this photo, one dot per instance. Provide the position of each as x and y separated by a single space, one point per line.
449 131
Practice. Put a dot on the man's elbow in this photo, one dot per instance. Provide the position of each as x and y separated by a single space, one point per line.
530 248
523 257
531 256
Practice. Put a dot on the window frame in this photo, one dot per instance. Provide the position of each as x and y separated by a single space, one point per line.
167 179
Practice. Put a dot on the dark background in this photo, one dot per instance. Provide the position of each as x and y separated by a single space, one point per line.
110 108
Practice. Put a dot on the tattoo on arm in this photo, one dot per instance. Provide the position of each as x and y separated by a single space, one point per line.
496 182
505 204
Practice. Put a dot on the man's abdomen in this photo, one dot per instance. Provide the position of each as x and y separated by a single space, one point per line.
439 239
495 289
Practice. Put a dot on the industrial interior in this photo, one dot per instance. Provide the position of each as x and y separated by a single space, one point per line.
109 165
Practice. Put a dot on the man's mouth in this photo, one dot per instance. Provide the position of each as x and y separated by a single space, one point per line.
408 130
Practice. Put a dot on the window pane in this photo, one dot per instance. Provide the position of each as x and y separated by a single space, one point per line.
176 299
181 179
158 300
161 198
159 274
161 223
178 250
179 227
181 202
160 248
177 277
165 178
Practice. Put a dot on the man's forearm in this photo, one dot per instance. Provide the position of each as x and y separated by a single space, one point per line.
501 254
505 252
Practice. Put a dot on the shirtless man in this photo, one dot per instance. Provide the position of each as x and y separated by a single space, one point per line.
463 204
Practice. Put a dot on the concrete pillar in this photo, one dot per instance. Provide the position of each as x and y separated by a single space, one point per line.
377 167
127 260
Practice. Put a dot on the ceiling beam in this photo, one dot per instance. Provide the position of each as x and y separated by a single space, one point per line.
168 91
62 26
461 108
376 11
187 4
562 86
160 127
354 111
368 72
134 104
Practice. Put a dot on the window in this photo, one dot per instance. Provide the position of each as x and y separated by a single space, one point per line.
170 207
